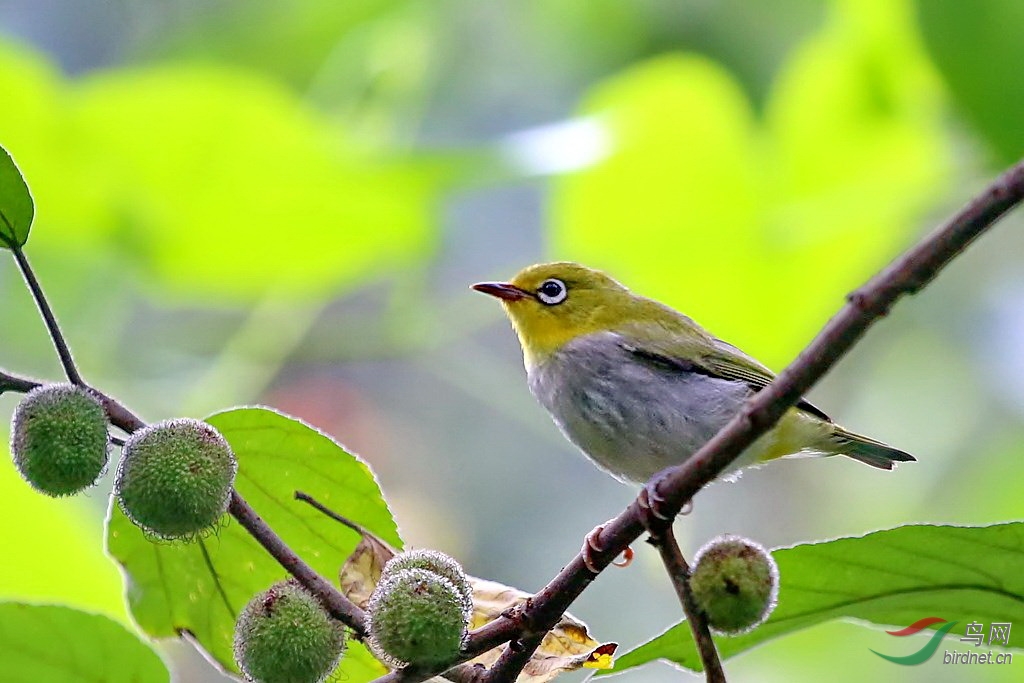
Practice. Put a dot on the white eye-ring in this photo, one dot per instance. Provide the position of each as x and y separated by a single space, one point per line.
552 291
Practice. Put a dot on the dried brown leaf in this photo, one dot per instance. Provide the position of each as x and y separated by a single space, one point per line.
567 647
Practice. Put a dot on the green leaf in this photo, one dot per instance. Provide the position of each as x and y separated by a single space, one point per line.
200 587
58 644
758 226
16 208
978 49
892 577
358 664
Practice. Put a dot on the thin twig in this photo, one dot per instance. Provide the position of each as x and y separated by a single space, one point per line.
679 573
119 415
20 385
324 510
340 607
51 321
906 275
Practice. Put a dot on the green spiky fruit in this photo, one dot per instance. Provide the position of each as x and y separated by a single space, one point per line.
175 478
734 582
416 617
433 561
59 439
284 636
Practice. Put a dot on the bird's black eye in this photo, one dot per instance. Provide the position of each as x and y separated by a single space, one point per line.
552 292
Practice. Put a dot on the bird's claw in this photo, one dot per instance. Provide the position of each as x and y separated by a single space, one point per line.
627 558
592 544
650 502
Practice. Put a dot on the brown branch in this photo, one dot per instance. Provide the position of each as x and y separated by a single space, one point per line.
340 519
514 658
20 385
906 275
119 416
679 573
340 607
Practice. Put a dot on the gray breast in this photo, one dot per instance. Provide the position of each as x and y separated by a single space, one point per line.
631 416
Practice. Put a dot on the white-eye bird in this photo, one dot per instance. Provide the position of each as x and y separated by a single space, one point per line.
638 386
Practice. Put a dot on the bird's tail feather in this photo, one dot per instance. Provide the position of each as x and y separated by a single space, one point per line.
867 451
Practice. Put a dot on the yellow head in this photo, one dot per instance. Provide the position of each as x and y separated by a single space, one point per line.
550 304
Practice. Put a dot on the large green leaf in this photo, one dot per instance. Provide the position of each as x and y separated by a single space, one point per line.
58 644
758 226
893 577
16 208
978 49
200 587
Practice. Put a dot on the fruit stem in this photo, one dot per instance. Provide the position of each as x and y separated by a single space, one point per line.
679 573
48 317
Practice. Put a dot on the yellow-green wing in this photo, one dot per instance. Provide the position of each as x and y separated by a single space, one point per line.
729 362
696 351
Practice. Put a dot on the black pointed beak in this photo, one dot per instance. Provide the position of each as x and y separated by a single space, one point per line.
502 290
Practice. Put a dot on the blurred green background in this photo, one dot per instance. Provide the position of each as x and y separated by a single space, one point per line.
285 202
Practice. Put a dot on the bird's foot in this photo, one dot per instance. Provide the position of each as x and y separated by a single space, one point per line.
652 507
593 544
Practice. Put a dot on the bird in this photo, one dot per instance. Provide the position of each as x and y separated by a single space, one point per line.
639 387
